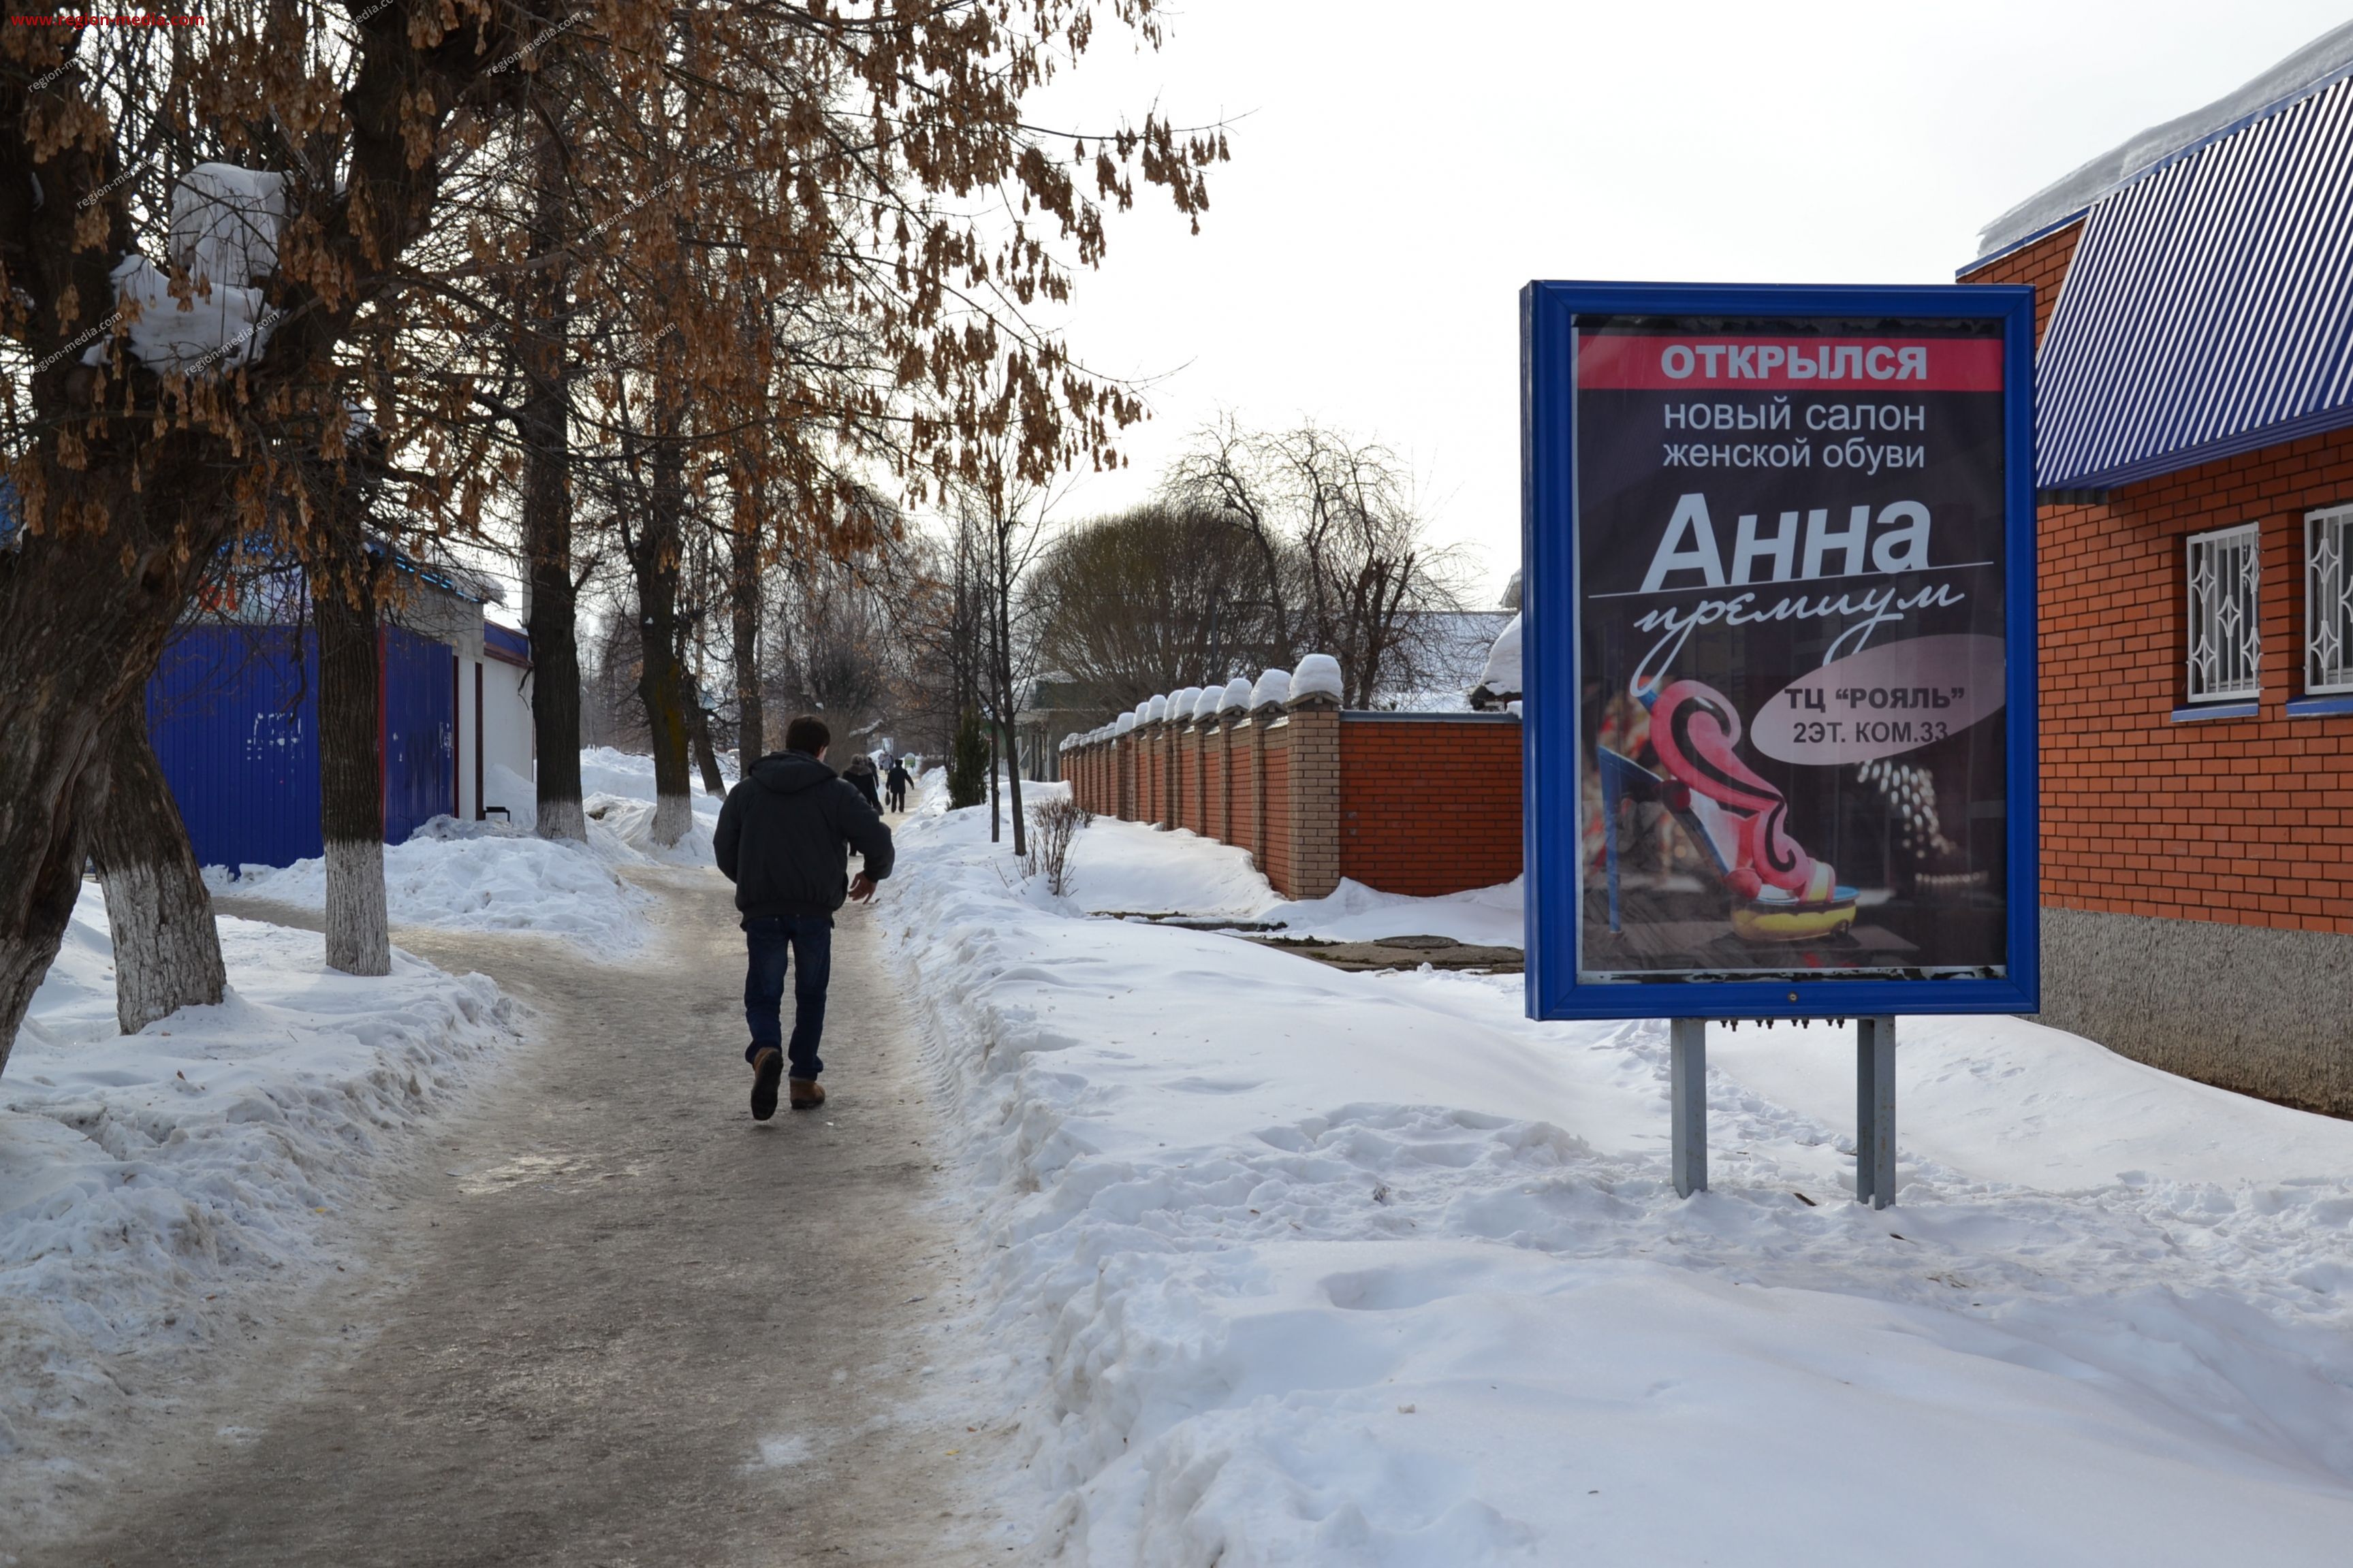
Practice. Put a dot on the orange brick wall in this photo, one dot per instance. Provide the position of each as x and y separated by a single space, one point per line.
1422 806
1431 806
1245 824
2240 821
1276 859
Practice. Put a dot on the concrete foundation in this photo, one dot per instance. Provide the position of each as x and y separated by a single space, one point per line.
2260 1011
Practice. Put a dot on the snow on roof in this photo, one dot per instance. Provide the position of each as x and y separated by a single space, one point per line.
1272 687
2319 62
1502 675
1318 676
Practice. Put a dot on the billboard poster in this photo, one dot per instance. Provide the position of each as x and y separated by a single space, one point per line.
1787 604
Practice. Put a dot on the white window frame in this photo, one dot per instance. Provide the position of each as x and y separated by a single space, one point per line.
2328 601
2222 579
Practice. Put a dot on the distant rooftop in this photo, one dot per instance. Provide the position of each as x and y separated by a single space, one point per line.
2323 60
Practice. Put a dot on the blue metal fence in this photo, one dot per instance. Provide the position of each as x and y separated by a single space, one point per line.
234 709
420 732
234 713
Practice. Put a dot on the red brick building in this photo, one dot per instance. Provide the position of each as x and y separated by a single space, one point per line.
2194 435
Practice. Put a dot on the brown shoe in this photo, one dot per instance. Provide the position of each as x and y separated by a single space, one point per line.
767 1066
807 1095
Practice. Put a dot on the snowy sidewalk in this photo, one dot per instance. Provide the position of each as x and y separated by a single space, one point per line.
164 1194
1305 1267
614 1320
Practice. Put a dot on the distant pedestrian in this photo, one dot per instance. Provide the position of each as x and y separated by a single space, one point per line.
861 776
897 782
784 839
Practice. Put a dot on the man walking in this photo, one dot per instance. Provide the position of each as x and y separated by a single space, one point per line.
784 839
897 782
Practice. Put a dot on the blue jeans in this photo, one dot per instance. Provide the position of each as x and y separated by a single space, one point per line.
808 941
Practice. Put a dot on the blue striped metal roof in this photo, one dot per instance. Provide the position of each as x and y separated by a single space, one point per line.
2209 307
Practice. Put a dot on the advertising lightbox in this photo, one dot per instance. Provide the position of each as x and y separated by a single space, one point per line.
1778 643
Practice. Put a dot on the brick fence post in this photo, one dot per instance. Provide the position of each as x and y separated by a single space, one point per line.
1253 805
1315 795
1218 803
1124 777
1165 774
1147 772
1188 769
1197 805
1172 745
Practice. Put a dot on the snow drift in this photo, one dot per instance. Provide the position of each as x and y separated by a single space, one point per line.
1295 1266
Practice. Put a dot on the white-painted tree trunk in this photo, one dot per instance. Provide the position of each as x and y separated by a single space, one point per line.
167 951
167 954
562 819
673 815
359 931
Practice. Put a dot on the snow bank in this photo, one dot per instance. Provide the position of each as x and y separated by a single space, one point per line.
154 1188
1132 868
1298 1265
501 876
483 876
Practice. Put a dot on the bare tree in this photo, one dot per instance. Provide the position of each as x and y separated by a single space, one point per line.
1152 599
1350 567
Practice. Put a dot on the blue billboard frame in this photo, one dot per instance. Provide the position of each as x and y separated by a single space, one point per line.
1550 641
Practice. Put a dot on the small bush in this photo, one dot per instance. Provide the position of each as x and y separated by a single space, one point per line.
968 763
1053 824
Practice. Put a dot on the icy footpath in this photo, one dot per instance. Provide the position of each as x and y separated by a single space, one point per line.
501 876
1302 1266
158 1191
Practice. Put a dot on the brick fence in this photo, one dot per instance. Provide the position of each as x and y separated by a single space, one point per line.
1408 803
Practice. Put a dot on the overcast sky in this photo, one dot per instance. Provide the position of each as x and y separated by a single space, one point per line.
1400 170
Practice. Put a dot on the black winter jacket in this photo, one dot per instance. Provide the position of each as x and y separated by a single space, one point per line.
861 774
785 834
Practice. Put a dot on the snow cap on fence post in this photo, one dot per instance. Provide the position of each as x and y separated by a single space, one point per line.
1317 680
1500 681
1123 724
1272 689
1156 709
1181 701
1236 696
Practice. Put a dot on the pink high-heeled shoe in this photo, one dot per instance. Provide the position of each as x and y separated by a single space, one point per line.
1780 892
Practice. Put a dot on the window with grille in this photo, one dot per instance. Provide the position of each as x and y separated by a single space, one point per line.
2225 637
2327 601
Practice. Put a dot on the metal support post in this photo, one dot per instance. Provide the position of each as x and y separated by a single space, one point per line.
1874 1112
1687 1092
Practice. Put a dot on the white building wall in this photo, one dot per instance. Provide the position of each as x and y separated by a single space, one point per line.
507 773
